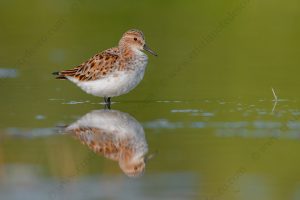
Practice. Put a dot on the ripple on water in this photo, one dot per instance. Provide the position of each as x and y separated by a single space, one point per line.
40 117
168 101
30 133
193 112
185 111
75 102
259 133
163 124
8 73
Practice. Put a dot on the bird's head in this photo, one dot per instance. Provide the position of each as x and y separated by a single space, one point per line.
135 40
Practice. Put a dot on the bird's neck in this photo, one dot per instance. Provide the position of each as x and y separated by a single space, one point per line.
130 52
129 55
127 52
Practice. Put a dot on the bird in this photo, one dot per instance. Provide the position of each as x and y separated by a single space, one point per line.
112 72
115 135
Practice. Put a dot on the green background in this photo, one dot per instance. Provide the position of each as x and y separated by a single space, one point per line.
205 101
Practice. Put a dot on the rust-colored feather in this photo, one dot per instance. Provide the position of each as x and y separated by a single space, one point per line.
96 67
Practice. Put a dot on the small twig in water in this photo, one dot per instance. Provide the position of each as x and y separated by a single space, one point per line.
275 100
274 106
274 94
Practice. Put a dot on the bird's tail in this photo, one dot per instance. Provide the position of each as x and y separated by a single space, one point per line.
59 75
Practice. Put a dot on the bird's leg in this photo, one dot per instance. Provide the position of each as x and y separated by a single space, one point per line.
107 102
107 106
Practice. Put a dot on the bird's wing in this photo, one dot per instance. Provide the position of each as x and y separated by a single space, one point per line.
95 68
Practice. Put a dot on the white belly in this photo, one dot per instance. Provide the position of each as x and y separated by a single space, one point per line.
116 84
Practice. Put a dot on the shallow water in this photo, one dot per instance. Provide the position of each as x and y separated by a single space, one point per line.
208 115
205 148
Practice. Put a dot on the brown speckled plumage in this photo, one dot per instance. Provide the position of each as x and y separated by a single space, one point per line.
113 72
96 67
104 63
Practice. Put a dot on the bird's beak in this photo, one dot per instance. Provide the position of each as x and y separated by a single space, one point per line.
146 48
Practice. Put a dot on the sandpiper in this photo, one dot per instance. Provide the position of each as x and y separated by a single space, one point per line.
112 72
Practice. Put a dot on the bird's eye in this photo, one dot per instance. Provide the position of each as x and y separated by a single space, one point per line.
135 39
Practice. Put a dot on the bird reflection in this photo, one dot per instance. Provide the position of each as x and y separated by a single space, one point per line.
116 136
